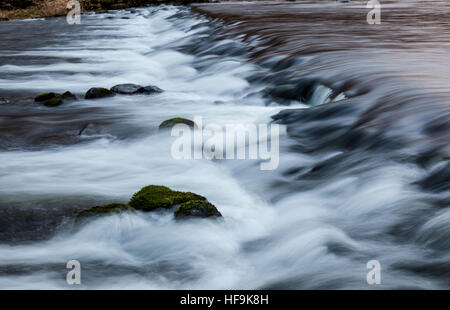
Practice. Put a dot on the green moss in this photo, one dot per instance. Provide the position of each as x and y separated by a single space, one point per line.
49 99
54 102
155 196
104 210
196 208
45 96
167 124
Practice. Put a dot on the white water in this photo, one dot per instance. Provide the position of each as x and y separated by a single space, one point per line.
259 243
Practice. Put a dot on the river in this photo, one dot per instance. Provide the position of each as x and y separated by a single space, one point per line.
363 165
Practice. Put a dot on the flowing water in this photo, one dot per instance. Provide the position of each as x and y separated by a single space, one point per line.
354 184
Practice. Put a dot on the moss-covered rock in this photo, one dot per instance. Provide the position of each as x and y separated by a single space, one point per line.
104 210
155 196
49 99
167 124
151 89
196 208
98 92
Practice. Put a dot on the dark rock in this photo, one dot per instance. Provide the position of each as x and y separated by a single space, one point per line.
127 89
98 92
155 196
302 90
196 208
167 124
133 89
104 210
49 99
69 96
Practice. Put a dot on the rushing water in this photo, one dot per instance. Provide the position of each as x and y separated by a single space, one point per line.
314 222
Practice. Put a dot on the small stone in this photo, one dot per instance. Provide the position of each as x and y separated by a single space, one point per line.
196 208
49 99
151 89
104 210
134 89
98 92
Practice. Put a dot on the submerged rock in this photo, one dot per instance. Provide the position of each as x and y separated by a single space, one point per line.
155 196
98 92
167 124
301 90
196 208
134 89
104 210
52 99
49 99
69 96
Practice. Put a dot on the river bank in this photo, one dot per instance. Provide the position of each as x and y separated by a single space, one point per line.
25 9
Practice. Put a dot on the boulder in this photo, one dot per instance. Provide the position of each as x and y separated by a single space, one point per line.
98 92
167 124
133 89
155 196
104 210
69 96
127 89
151 89
49 99
196 208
